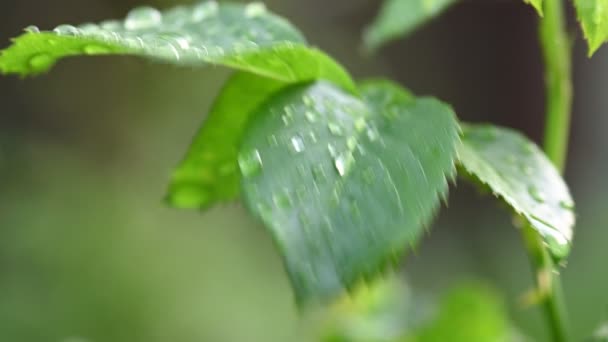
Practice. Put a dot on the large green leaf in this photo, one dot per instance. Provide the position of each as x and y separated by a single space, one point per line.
344 186
209 172
516 171
593 15
242 37
400 17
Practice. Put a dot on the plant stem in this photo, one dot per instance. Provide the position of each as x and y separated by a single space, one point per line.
557 59
556 54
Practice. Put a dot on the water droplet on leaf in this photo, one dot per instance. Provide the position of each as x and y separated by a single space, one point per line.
282 200
318 173
142 18
250 163
372 134
335 129
310 116
351 143
204 10
32 29
41 61
272 140
342 163
527 169
255 9
566 204
536 194
67 30
93 49
297 144
360 124
111 25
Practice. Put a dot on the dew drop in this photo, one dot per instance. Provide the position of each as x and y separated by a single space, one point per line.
32 29
536 194
304 219
342 163
88 28
41 61
301 192
272 140
527 169
351 143
335 129
264 209
297 144
308 101
255 9
111 25
332 150
204 10
566 204
360 124
318 173
528 148
67 30
312 136
250 163
282 200
142 18
372 134
182 42
287 119
93 49
310 116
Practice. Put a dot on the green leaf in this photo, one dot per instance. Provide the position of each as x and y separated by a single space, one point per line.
593 15
516 171
537 4
209 172
344 186
380 311
241 37
398 18
600 334
468 313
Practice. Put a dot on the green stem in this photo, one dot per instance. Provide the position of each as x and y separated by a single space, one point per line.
557 59
556 54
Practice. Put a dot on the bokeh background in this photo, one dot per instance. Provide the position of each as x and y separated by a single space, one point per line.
88 252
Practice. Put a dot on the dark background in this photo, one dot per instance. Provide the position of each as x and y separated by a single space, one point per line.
89 253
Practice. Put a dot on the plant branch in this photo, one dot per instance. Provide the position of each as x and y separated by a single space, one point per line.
557 60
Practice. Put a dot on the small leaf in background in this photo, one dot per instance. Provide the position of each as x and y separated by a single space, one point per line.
537 4
389 311
600 334
593 16
468 313
244 37
518 172
384 310
398 18
344 187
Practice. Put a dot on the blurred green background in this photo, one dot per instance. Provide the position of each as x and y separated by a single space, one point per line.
88 251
